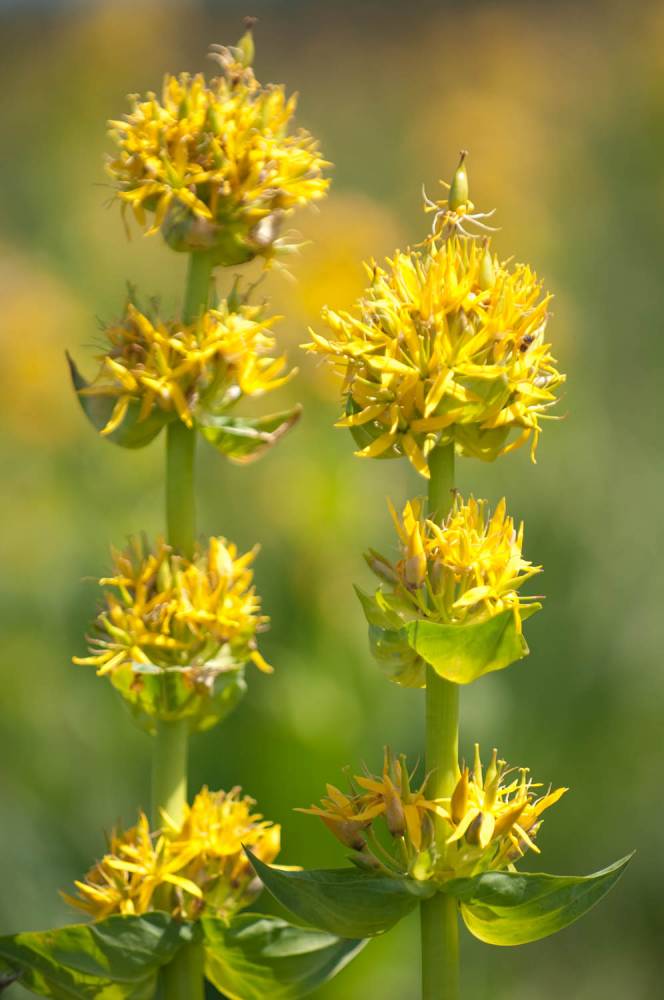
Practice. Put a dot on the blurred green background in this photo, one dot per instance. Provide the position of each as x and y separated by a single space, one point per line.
562 108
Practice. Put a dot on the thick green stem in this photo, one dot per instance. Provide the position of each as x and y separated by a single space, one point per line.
182 979
439 919
197 289
441 481
169 771
180 496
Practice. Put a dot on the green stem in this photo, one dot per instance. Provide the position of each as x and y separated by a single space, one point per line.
439 919
180 497
183 978
169 771
197 289
441 481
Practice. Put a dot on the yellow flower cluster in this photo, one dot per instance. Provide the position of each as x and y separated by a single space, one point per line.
174 367
463 571
492 821
493 818
219 153
198 867
165 611
406 811
446 345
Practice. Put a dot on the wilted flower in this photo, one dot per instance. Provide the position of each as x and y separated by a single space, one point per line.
192 621
171 369
494 818
406 811
447 345
198 867
215 163
465 570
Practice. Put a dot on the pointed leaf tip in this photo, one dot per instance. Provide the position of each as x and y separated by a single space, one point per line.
245 439
513 908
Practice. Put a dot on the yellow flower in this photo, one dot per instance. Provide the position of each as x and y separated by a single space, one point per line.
216 163
446 345
493 818
463 571
193 621
345 816
197 867
406 812
174 367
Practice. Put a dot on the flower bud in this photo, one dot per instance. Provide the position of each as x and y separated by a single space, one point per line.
458 195
459 804
246 43
487 275
348 832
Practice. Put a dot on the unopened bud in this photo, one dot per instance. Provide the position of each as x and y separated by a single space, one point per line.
394 815
379 565
487 276
473 831
416 560
347 832
459 803
366 860
246 43
458 196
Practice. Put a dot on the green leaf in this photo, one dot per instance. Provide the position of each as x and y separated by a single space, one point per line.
462 653
244 439
511 908
115 959
376 611
396 658
255 957
343 901
132 432
204 696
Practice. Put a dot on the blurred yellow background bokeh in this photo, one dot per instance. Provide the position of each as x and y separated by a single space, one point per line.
562 109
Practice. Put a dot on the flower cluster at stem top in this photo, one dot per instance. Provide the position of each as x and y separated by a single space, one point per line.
462 571
492 819
165 611
447 345
198 867
175 368
215 163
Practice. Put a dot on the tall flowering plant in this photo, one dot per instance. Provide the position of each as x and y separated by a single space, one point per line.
215 166
446 355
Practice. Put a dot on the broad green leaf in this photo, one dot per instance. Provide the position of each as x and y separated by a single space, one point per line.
511 908
255 957
132 432
116 959
343 901
244 439
462 653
